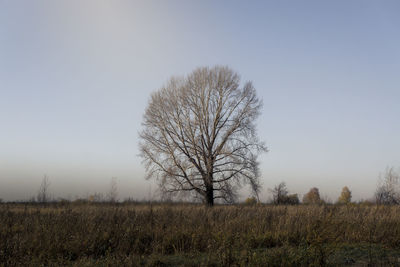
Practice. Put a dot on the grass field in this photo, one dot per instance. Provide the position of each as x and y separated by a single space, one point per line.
192 235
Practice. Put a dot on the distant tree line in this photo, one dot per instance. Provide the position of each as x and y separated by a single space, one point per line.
387 193
44 196
281 196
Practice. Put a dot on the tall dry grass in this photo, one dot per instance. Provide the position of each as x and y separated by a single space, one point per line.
223 235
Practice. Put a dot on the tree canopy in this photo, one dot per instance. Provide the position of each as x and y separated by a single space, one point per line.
312 197
345 196
199 135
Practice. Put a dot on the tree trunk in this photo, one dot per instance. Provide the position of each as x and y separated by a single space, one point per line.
210 196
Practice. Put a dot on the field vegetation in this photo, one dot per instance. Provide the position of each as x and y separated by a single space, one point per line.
138 234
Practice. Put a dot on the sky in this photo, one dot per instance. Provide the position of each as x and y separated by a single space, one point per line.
76 76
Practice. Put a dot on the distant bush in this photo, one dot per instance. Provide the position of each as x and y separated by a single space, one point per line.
250 201
312 197
366 203
345 196
131 200
79 201
63 201
292 199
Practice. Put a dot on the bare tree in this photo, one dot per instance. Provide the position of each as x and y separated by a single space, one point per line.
113 192
200 135
279 193
43 193
388 191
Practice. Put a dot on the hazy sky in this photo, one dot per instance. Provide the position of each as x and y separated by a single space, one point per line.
75 78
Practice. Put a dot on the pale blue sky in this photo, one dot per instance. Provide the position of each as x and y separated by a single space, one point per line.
75 78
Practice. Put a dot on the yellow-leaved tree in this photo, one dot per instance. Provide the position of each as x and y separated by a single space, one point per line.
312 197
345 196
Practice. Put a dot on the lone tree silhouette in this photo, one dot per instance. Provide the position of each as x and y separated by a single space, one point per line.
43 193
112 195
199 135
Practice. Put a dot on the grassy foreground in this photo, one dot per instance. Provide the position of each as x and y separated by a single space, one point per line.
192 235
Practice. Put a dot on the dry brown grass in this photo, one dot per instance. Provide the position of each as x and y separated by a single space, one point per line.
224 235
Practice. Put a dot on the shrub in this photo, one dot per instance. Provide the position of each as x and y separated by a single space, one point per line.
312 197
292 199
250 201
345 196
